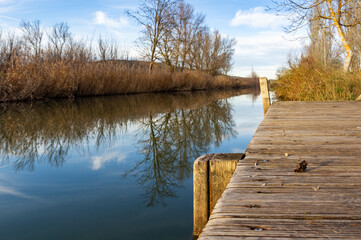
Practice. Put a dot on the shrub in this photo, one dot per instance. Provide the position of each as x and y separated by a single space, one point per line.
311 81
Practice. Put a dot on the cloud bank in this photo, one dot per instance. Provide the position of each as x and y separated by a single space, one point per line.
102 19
257 18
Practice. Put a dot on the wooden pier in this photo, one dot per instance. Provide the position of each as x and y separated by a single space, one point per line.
267 199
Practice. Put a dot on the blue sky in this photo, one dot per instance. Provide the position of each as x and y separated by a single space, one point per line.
261 42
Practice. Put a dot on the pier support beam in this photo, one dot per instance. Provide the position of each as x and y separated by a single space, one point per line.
211 174
263 82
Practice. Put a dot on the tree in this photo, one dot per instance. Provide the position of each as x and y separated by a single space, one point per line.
33 35
338 13
108 49
185 24
58 37
212 53
152 16
322 45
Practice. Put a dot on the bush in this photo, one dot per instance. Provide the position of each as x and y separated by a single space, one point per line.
311 81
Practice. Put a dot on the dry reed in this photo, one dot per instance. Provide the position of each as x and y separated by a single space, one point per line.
36 78
311 81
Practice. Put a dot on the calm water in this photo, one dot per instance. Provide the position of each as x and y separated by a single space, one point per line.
113 167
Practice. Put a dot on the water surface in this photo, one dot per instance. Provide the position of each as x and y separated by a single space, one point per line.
117 167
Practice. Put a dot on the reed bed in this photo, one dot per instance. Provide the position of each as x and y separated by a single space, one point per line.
37 78
63 67
311 81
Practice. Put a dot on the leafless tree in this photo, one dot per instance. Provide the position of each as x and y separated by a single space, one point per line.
337 13
212 52
33 35
10 47
185 23
152 17
322 41
58 37
353 35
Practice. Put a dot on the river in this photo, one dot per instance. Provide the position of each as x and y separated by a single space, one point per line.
115 167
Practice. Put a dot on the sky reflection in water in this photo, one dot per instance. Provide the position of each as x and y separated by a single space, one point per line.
115 167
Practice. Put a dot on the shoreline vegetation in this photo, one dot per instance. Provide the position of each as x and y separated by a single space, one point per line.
329 68
309 80
178 51
36 80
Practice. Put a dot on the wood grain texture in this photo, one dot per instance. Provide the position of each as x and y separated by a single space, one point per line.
200 193
266 199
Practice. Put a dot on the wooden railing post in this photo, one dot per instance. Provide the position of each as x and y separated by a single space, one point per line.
211 175
263 82
200 193
359 98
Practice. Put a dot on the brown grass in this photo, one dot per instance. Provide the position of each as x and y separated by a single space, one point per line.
310 81
39 79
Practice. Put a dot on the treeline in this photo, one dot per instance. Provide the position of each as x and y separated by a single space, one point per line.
178 50
330 66
174 34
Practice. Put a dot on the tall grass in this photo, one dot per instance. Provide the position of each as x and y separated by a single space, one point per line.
46 79
27 72
311 81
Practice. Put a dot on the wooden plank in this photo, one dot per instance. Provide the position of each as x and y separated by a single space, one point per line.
266 199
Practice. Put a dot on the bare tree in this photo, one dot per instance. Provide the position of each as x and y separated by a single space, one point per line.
212 52
58 37
338 13
185 24
33 35
322 43
10 48
152 16
107 49
102 49
353 35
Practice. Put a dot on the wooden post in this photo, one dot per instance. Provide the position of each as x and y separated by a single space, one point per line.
263 82
200 193
221 169
359 98
211 175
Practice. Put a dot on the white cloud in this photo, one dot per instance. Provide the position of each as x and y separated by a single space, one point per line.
263 43
9 5
102 19
99 161
257 18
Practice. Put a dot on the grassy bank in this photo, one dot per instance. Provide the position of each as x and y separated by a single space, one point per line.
25 79
64 67
308 80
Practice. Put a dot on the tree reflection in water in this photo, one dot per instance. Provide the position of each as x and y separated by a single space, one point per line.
175 130
171 142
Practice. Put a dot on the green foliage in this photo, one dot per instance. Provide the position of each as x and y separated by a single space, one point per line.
308 80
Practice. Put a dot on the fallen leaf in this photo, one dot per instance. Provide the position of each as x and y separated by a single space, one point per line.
301 166
316 188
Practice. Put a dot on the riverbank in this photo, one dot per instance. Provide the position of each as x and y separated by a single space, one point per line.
41 79
312 81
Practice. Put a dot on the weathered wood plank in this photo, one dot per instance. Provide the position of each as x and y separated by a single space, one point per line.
266 199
